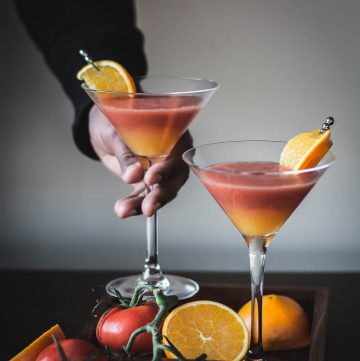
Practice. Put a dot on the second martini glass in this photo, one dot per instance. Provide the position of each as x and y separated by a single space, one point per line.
258 195
151 122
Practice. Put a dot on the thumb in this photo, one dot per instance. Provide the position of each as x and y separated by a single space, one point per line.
131 169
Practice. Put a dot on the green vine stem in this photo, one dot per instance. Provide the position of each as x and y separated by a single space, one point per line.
165 303
59 348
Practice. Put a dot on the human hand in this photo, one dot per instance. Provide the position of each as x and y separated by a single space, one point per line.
169 175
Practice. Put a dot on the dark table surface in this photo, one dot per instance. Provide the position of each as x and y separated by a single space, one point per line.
33 301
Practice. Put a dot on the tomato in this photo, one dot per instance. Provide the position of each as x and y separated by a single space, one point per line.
74 348
115 327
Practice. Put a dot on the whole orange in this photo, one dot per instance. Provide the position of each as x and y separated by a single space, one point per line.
285 323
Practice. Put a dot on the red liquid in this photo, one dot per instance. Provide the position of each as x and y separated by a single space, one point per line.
258 204
150 126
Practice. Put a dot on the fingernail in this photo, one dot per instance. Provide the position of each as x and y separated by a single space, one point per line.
157 206
119 211
158 178
131 166
130 172
132 212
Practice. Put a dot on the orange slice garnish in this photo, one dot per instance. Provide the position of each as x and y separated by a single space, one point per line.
305 150
111 77
31 352
206 327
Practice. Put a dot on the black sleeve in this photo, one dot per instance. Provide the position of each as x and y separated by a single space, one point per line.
106 29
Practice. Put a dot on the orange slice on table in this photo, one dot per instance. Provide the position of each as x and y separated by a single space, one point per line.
31 352
111 77
206 327
305 150
285 324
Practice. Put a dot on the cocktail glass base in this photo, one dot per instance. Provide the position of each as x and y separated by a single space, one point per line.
182 287
257 355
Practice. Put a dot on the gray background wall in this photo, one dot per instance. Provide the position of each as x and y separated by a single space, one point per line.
283 65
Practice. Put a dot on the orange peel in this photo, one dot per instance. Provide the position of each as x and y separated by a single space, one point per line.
31 352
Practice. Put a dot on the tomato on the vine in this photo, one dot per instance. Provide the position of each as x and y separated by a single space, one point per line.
115 327
74 348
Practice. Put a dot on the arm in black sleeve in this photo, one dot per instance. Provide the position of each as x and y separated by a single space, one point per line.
106 29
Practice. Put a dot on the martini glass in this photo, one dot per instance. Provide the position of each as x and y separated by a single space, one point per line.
151 122
258 195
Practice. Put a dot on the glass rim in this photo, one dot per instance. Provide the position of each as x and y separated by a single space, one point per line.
205 90
286 172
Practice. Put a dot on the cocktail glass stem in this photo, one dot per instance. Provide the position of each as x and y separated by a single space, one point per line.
151 121
152 273
257 253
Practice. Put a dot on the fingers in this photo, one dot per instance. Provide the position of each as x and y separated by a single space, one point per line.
130 205
167 170
140 204
131 169
137 203
161 195
112 151
169 176
173 166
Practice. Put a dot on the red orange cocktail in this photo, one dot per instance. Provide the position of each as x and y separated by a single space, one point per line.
258 205
151 122
151 126
258 194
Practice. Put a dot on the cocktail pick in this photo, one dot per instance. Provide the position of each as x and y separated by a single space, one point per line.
88 59
328 123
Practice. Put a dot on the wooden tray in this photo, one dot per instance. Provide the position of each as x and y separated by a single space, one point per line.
314 300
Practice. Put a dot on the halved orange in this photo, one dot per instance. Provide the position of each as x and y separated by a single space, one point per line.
31 352
206 327
305 150
111 77
285 324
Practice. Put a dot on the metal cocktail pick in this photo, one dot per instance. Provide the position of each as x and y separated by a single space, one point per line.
328 123
87 58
